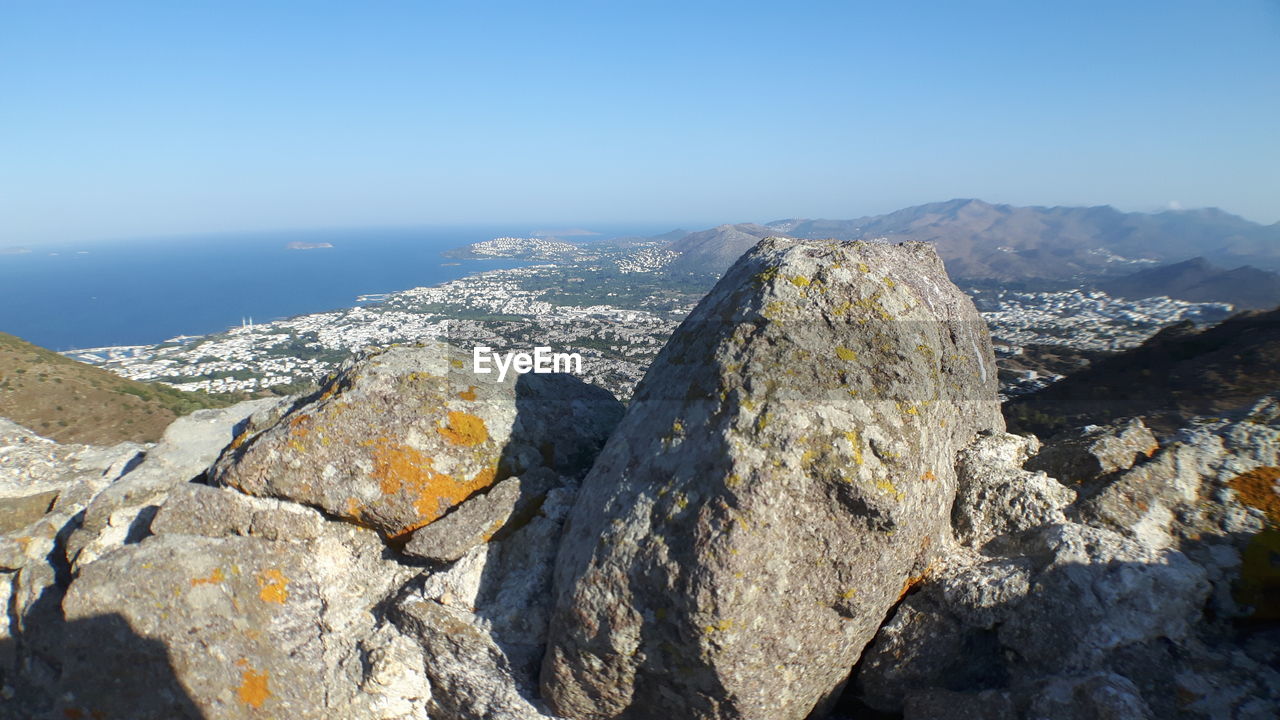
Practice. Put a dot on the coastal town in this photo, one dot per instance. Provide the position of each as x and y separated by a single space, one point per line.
611 303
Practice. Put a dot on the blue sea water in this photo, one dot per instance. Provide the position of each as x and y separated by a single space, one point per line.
145 291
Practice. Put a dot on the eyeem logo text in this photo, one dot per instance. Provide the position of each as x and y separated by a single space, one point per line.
541 360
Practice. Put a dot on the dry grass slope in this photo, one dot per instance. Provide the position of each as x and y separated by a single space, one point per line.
70 401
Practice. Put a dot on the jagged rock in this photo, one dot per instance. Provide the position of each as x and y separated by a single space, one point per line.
18 512
995 497
481 517
497 597
235 627
776 481
1078 457
122 512
1142 501
1101 591
399 438
194 509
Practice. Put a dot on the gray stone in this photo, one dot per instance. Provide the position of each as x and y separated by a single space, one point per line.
1101 591
481 517
498 596
399 438
1078 457
996 497
123 510
19 512
194 509
777 480
237 627
1100 696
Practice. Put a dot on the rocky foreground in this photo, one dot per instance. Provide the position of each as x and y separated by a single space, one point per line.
809 509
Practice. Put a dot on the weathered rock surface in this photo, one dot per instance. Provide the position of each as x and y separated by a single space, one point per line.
481 517
996 498
482 622
233 627
396 440
122 511
1096 451
1102 614
778 479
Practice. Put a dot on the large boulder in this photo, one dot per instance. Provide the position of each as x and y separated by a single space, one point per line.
239 627
775 486
398 439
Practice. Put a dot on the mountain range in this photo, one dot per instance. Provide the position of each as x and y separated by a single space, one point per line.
1005 243
1198 280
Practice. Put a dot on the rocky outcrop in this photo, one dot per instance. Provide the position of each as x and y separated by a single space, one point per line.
400 439
815 462
777 482
1121 603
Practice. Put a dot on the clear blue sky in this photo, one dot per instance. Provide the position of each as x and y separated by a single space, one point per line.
142 118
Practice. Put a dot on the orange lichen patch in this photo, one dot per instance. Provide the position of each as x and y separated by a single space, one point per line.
239 439
400 469
469 394
214 578
913 582
273 586
296 425
928 476
253 690
354 509
464 429
1257 489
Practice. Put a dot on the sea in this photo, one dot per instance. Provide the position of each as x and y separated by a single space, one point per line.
140 292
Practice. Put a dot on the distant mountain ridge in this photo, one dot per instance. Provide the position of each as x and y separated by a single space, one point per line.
1199 280
982 241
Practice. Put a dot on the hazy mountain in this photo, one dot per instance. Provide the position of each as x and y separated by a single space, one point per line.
979 240
70 401
714 250
1199 280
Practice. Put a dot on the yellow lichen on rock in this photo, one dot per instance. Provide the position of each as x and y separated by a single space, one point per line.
253 690
214 578
273 586
464 429
1257 489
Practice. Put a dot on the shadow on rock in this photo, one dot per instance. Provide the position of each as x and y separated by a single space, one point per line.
108 671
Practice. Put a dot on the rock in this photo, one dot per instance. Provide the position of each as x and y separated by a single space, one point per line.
194 509
943 637
482 622
480 518
123 511
234 628
1101 591
480 686
776 482
19 512
1142 501
1078 457
938 704
399 438
1100 696
996 497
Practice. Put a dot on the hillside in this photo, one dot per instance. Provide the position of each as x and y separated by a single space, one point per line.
982 241
714 250
1199 280
1179 373
70 401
